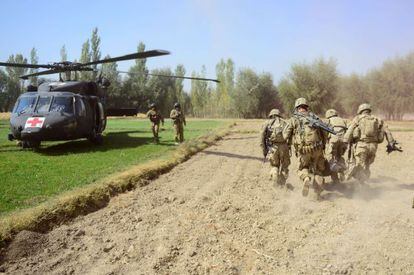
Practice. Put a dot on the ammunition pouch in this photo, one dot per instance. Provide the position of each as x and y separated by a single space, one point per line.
310 148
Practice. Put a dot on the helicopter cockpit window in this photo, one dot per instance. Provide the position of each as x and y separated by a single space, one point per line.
62 104
80 107
25 104
43 104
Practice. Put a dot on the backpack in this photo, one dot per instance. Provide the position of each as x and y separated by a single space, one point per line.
307 135
277 131
339 125
370 130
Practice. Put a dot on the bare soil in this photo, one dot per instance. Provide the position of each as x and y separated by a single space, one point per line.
218 213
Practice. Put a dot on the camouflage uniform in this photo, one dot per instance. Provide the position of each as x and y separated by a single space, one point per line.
275 148
179 122
309 146
335 145
366 131
155 118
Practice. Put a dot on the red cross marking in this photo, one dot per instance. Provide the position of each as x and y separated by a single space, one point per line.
34 122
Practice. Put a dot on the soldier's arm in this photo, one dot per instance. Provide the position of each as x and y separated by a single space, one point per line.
263 135
173 114
387 133
148 113
350 131
185 123
288 130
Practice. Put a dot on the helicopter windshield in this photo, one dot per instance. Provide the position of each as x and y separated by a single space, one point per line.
43 104
25 104
62 104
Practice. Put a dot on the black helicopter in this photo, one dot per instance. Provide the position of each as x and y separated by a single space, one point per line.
66 110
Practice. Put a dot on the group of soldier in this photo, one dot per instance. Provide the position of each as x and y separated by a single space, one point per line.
177 117
320 145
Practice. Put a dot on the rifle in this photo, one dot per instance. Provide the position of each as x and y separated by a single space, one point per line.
316 122
393 146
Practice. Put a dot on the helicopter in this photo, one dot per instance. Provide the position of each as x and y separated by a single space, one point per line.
67 109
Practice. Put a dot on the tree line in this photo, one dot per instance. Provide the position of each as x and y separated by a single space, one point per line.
241 93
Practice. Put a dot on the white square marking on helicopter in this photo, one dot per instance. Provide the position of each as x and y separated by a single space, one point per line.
34 122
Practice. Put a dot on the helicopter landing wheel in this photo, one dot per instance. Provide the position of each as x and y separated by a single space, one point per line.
96 139
30 144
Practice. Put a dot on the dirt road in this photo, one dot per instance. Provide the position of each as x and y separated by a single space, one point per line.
219 214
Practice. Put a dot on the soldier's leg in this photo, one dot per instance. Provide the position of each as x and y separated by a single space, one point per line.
274 163
304 174
156 131
182 133
341 160
361 156
319 168
177 133
371 152
284 157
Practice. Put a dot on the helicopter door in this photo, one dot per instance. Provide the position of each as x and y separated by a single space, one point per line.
100 118
82 118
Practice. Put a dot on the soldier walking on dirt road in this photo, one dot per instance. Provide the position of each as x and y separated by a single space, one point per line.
365 132
179 122
275 147
309 143
335 146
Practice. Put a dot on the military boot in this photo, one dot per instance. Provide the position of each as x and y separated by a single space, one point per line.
306 185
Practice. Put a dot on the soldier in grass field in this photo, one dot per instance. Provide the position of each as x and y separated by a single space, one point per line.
179 122
156 118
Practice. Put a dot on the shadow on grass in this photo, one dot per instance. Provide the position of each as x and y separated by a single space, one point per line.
112 141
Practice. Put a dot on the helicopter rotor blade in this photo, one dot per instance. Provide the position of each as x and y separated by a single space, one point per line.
176 76
55 71
139 55
20 65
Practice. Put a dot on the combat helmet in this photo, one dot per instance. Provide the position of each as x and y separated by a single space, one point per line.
363 107
152 105
177 105
301 101
330 113
274 112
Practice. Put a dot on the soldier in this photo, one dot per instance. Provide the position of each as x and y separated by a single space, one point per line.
335 146
275 147
366 131
309 143
179 122
155 117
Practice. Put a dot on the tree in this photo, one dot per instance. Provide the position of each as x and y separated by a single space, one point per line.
14 85
95 50
85 58
352 91
114 92
317 82
135 85
247 97
63 54
179 84
199 94
162 91
34 59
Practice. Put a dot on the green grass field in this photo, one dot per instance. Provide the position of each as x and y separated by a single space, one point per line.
29 177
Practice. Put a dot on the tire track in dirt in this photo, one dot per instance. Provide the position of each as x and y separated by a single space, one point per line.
218 213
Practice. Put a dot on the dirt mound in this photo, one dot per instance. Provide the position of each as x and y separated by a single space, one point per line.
217 213
25 244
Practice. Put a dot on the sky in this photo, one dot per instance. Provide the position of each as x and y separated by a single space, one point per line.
265 35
